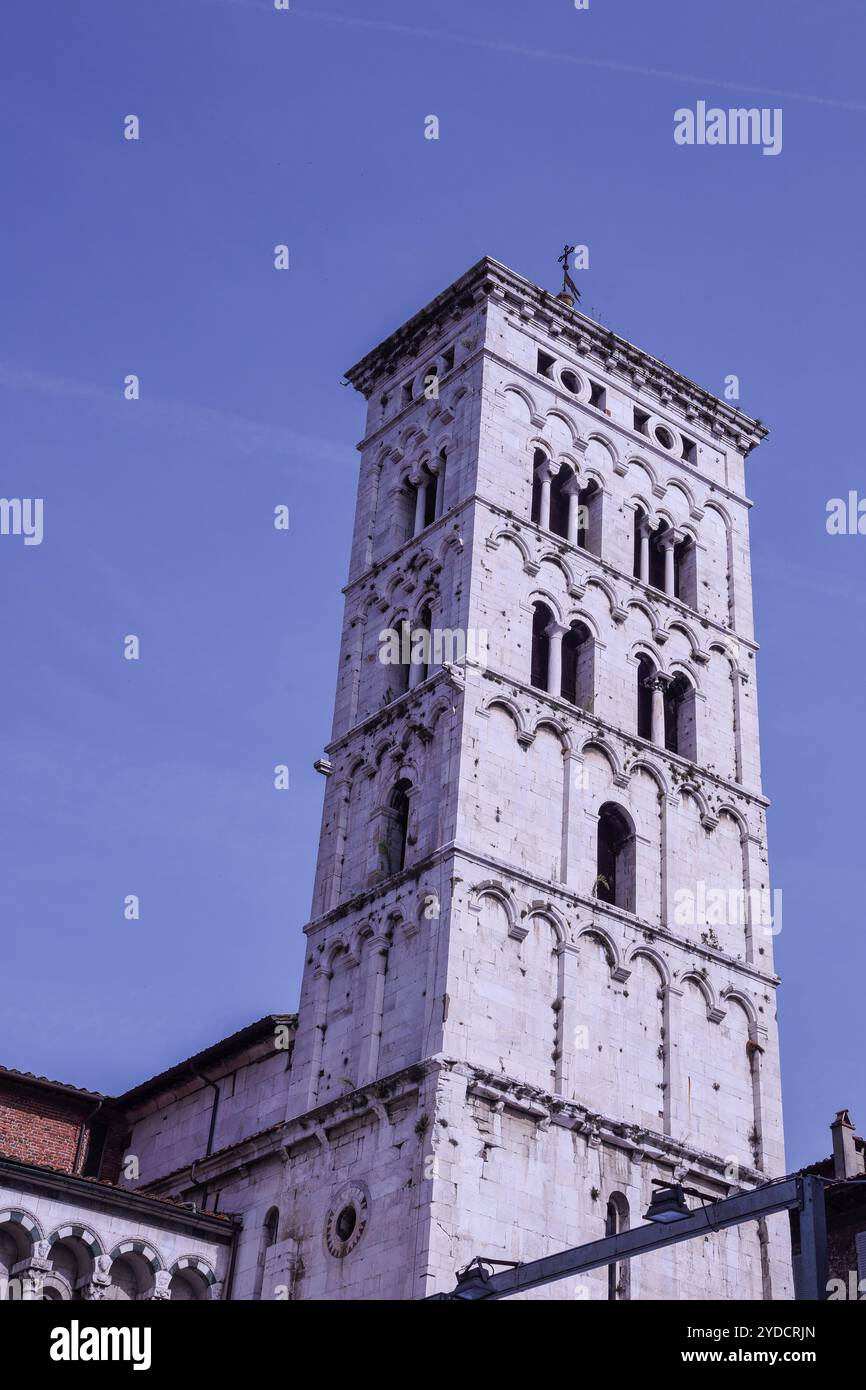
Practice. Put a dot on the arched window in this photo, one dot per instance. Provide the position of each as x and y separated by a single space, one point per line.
270 1227
440 483
615 860
539 458
188 1286
646 673
431 489
397 827
418 502
578 663
685 572
406 506
616 1221
589 517
640 567
680 730
559 502
657 557
395 656
421 647
540 665
131 1278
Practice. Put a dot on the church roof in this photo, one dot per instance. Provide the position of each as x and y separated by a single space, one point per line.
581 334
29 1078
226 1047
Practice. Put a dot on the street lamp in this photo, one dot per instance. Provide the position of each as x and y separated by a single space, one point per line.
667 1204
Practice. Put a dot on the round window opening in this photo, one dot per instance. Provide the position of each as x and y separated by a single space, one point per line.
347 1220
570 382
345 1223
664 437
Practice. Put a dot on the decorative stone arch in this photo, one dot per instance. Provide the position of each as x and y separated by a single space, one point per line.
511 708
359 767
725 647
713 505
664 517
513 388
714 1013
580 615
22 1228
84 1234
678 667
547 912
731 995
197 1272
659 635
645 764
618 971
490 888
430 597
451 539
648 649
638 461
410 433
402 769
134 1245
597 581
727 808
506 533
708 818
145 1262
440 708
542 596
596 437
598 742
677 624
656 959
368 601
680 485
560 562
335 950
56 1287
565 459
639 501
558 729
557 413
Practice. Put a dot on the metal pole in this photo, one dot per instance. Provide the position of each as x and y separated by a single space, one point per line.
812 1283
640 1240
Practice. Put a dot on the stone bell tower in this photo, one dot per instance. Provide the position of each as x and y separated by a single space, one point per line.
539 968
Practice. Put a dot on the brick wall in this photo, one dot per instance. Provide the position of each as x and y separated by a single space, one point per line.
41 1125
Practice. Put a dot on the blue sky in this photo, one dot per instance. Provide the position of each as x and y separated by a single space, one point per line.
156 258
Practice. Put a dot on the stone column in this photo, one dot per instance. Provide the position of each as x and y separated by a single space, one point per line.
645 531
555 633
323 980
573 491
657 684
95 1289
416 667
567 959
676 1119
161 1289
374 995
667 543
420 503
545 472
440 488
